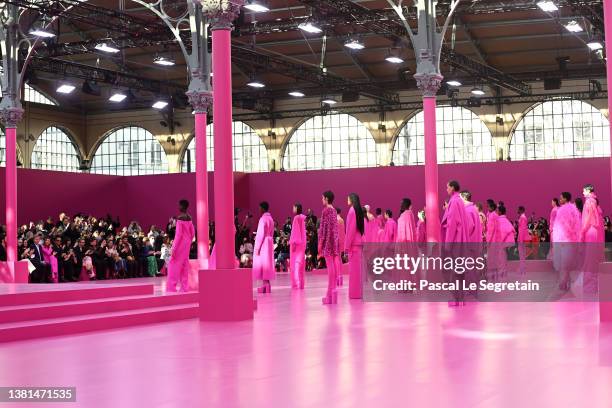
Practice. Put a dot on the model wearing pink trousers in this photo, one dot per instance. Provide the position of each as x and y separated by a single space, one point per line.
297 248
263 252
593 235
353 244
178 267
329 246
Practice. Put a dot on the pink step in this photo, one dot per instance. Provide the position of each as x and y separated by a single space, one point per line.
91 306
102 321
27 294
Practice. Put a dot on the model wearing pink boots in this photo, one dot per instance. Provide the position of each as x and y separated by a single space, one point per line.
353 245
329 245
297 247
178 267
263 251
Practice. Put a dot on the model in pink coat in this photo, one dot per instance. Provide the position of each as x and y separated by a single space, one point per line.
328 245
593 235
263 250
341 238
473 218
421 227
178 266
353 245
454 220
522 238
380 222
371 227
390 232
406 227
297 247
566 233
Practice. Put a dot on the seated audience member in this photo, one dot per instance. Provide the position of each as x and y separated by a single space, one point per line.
42 273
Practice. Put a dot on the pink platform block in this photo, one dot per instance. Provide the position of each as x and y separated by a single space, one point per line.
605 291
226 294
21 272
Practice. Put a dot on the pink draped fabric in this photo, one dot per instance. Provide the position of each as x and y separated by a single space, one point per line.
454 221
380 233
505 230
341 233
297 249
371 230
406 229
491 226
263 252
593 235
474 225
567 224
421 231
523 229
179 267
390 232
353 245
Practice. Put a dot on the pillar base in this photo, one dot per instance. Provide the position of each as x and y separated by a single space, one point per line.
605 292
226 295
22 274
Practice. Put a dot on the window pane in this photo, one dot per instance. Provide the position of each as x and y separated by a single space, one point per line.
55 151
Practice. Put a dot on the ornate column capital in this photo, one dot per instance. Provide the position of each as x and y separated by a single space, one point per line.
429 83
200 101
221 12
11 116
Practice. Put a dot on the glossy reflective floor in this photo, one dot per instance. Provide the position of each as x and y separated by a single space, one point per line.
298 353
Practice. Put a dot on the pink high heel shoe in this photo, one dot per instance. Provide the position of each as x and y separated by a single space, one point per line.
330 299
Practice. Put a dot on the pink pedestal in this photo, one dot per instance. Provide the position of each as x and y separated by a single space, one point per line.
20 269
226 294
605 292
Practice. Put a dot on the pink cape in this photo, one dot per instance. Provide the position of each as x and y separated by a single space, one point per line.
474 225
263 252
406 229
390 232
454 221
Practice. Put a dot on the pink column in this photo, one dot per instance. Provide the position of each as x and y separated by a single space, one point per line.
201 188
605 308
432 212
224 180
11 194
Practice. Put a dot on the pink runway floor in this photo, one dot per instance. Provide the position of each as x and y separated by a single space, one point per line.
298 353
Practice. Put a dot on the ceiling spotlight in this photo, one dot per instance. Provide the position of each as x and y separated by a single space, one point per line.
309 27
548 6
117 97
297 94
595 45
453 82
394 59
256 84
354 45
573 27
477 91
164 61
256 6
329 101
41 32
66 88
159 105
107 47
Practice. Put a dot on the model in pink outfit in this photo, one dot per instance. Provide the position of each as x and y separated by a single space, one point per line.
523 236
328 245
421 231
504 238
380 223
593 235
297 248
473 218
406 227
263 250
454 220
353 245
566 233
341 238
178 267
390 232
371 227
50 258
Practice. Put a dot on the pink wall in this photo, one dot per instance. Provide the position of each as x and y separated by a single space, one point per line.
152 199
528 183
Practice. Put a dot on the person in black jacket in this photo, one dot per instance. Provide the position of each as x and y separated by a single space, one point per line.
42 273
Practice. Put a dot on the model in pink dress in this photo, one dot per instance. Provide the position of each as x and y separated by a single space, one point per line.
390 232
353 245
329 246
178 267
297 247
473 218
406 227
566 233
593 235
263 250
522 238
50 258
341 238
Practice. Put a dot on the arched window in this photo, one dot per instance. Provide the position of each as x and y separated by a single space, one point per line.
130 151
460 135
55 151
561 129
249 152
3 151
330 142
